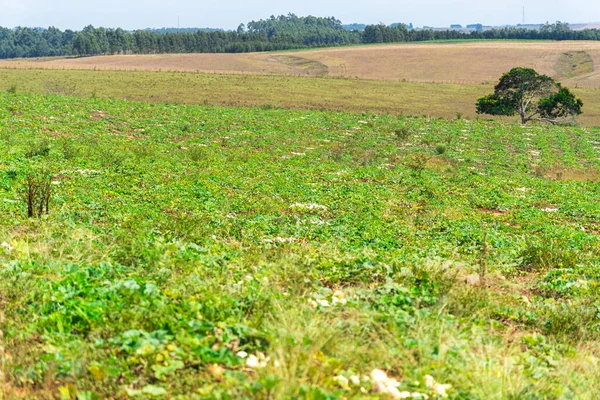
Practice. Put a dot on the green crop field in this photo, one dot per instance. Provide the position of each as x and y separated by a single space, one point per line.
219 252
341 94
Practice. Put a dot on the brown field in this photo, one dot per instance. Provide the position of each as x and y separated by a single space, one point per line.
350 95
577 63
437 79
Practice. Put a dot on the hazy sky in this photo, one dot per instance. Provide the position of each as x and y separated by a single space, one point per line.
132 14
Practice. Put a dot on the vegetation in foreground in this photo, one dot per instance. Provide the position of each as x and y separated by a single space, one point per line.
351 95
206 252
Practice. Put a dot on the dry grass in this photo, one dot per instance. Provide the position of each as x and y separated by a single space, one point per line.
465 63
353 95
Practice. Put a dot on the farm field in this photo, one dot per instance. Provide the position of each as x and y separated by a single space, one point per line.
352 95
198 251
576 63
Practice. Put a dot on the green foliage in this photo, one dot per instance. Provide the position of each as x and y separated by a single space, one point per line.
562 104
496 105
275 33
403 133
184 239
542 256
532 96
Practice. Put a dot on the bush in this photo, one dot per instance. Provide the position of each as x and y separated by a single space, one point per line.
403 133
417 162
547 255
196 153
40 148
37 193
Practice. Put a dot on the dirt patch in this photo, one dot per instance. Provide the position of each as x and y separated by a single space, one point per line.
560 174
98 115
495 213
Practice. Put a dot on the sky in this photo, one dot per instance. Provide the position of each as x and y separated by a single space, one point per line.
228 14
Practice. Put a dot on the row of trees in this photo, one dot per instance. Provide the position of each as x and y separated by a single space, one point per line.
275 33
401 33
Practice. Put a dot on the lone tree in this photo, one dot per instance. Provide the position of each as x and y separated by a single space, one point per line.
533 96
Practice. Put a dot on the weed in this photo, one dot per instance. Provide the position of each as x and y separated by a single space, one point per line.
403 133
40 148
483 258
196 154
418 162
60 88
69 149
186 127
545 255
336 152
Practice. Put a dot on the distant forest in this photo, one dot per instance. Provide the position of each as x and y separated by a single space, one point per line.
276 33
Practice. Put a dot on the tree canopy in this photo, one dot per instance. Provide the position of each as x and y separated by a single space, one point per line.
532 96
275 33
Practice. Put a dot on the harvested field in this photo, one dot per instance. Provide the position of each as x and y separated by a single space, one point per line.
464 63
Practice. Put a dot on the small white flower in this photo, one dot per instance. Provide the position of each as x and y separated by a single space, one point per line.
335 300
440 389
429 381
242 354
384 384
550 209
6 246
255 362
342 381
355 380
323 303
308 206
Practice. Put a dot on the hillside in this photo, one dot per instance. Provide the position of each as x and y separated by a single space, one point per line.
212 252
576 63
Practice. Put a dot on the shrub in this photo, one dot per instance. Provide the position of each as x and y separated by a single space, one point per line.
417 162
547 255
40 148
196 153
69 149
37 193
336 152
403 133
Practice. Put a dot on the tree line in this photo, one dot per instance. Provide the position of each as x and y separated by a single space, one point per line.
275 33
